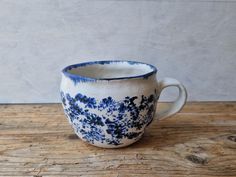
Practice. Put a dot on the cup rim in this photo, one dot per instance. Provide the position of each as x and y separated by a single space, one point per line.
153 70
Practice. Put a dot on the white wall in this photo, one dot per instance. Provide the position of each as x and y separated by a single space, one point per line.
191 40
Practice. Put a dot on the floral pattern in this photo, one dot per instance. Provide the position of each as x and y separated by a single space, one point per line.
107 120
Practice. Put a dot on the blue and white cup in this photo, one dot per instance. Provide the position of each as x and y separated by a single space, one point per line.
110 103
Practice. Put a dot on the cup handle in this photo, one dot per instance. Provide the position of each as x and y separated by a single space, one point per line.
178 104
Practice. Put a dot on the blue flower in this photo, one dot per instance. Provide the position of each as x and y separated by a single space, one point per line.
123 119
116 128
106 103
109 105
89 102
122 108
93 119
93 134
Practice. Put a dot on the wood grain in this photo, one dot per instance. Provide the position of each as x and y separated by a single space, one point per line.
37 140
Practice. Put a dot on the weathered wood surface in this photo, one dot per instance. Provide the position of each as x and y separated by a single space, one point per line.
36 140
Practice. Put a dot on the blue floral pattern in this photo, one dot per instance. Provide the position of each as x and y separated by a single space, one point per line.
107 120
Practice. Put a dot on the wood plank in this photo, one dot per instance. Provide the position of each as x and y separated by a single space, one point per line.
36 140
207 107
55 108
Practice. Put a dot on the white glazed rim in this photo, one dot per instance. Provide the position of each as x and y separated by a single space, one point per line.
77 77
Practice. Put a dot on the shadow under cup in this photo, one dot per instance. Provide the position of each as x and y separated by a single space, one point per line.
110 103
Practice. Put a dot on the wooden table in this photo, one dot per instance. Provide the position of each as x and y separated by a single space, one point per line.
37 140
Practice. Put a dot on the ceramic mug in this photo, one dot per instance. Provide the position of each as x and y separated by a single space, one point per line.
110 103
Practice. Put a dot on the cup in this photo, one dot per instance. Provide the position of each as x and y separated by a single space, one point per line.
110 103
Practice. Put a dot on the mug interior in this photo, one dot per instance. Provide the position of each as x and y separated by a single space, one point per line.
108 70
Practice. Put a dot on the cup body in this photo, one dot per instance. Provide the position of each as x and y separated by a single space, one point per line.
109 103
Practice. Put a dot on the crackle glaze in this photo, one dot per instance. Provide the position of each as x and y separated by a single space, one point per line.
110 103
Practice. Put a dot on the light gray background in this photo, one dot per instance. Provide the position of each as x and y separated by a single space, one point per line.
191 40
